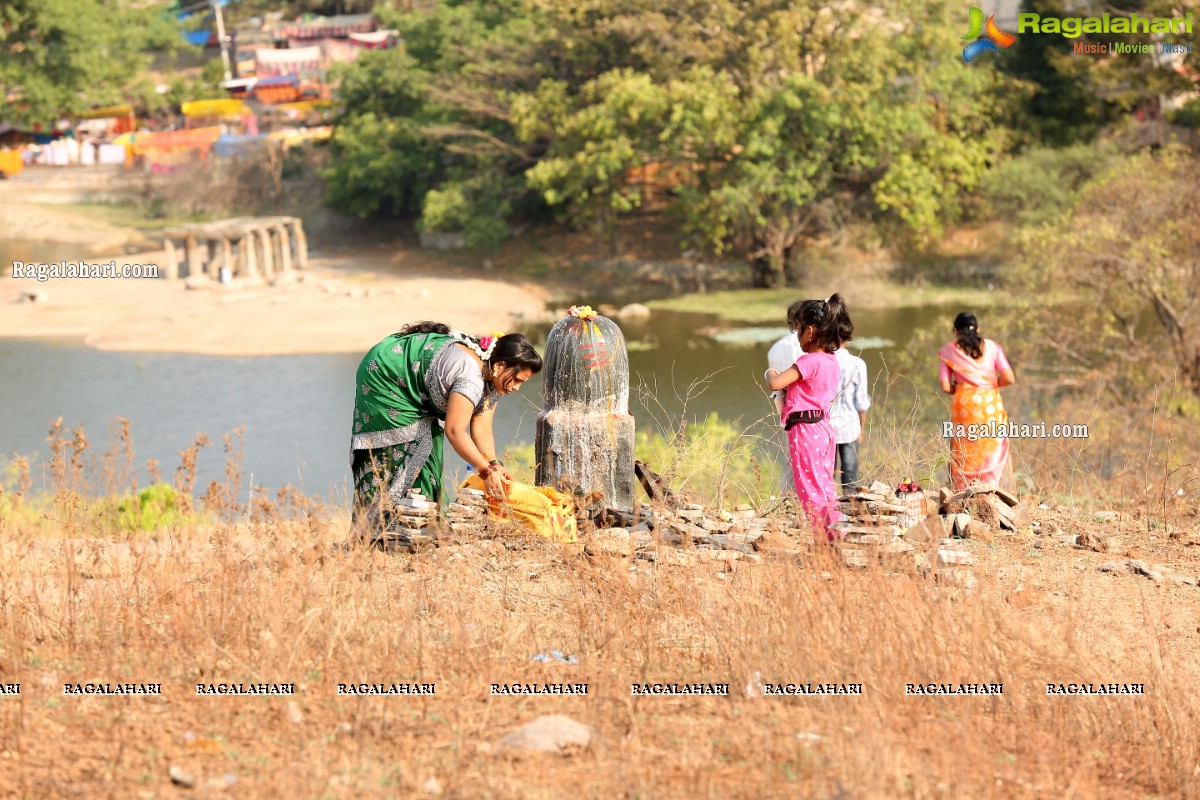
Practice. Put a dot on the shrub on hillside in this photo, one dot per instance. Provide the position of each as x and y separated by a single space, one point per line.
157 506
1042 184
712 461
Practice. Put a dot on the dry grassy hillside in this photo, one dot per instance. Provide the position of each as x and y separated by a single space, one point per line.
264 599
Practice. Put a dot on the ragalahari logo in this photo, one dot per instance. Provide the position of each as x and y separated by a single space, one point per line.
984 37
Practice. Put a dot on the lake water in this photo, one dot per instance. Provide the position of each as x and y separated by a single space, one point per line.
296 409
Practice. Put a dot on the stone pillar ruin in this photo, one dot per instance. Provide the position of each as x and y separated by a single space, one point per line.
585 434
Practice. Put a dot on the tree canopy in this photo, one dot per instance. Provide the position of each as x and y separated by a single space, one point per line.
62 56
1110 292
771 121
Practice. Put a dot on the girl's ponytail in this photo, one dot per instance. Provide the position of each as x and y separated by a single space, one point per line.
840 328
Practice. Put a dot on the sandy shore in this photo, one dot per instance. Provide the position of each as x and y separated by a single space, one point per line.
340 304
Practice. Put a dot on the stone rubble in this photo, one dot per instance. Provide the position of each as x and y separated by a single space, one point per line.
1156 573
941 532
875 523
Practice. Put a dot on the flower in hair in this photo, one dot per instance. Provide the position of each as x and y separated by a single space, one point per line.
582 312
482 347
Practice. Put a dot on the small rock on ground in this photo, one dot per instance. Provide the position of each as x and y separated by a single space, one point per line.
979 531
552 733
181 777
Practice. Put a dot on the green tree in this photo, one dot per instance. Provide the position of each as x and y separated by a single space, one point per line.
435 117
775 120
1140 81
58 57
383 160
1070 98
1110 294
1058 106
794 120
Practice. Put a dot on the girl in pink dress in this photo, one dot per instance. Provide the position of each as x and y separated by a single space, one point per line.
811 384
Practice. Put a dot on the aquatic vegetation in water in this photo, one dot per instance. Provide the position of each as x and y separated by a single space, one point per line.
747 337
869 343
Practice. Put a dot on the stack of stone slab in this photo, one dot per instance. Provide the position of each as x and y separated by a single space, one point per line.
468 514
414 523
875 523
955 558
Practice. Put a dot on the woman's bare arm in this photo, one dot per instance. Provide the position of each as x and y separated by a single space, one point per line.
482 433
460 421
459 411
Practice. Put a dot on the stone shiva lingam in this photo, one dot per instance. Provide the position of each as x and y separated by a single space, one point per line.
585 434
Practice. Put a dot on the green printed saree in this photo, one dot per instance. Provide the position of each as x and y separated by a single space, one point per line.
397 441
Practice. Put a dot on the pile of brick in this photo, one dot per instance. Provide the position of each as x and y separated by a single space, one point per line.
879 524
417 523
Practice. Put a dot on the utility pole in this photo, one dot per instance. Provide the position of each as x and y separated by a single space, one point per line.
221 38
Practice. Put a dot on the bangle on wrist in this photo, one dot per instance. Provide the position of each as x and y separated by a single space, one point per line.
495 462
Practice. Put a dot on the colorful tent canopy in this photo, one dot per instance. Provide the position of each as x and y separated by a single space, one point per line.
276 80
10 162
376 39
333 51
215 108
322 27
295 136
304 106
200 38
233 145
285 62
174 141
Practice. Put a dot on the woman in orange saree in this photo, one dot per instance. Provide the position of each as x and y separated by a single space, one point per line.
972 370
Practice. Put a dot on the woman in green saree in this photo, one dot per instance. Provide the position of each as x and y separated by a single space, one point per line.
409 383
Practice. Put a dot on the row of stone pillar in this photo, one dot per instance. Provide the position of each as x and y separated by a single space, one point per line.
251 250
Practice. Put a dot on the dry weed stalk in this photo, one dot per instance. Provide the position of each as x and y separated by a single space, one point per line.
58 464
119 470
185 475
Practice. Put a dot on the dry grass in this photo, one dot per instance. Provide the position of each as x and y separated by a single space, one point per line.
268 595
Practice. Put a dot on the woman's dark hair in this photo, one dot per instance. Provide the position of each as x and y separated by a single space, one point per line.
511 350
425 326
514 350
830 318
969 340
